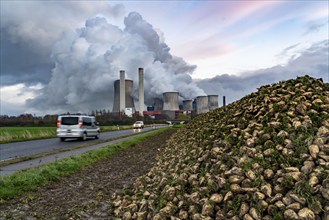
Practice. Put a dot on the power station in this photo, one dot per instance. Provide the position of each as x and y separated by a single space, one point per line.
168 105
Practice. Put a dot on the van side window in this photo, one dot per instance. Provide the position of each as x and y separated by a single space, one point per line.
86 121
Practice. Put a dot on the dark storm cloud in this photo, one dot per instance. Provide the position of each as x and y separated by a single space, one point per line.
29 29
23 63
312 61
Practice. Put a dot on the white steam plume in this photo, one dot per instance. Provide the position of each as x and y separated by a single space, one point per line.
88 61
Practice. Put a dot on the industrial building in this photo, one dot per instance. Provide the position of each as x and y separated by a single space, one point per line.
168 106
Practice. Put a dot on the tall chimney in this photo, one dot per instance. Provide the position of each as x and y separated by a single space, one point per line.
141 91
122 91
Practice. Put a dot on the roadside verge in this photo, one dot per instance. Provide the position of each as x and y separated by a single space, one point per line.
41 173
39 160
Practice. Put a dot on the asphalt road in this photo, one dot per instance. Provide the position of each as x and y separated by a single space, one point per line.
28 148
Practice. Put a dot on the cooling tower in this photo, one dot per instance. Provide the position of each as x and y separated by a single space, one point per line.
141 91
170 101
202 104
212 102
129 102
158 104
187 105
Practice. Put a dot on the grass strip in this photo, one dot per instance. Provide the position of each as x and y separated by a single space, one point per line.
27 180
17 134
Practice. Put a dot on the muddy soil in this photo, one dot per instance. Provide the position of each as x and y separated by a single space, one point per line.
87 194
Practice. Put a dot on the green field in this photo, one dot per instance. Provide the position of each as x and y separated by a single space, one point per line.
13 134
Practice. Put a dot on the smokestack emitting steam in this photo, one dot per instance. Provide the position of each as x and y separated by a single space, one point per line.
122 91
141 90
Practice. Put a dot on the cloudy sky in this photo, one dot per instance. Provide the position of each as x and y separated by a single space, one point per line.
59 56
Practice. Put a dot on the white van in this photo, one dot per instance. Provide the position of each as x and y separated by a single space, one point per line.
77 126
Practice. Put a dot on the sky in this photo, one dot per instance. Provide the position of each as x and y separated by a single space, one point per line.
60 56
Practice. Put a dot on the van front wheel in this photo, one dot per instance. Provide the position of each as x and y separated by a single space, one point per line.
97 135
62 139
84 137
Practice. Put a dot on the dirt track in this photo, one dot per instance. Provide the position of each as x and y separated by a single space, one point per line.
86 194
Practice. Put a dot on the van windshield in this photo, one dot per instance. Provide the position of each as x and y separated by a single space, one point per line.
70 120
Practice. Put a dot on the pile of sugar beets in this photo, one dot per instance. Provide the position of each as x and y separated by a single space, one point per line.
265 156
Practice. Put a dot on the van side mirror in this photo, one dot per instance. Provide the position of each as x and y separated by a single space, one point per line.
97 123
